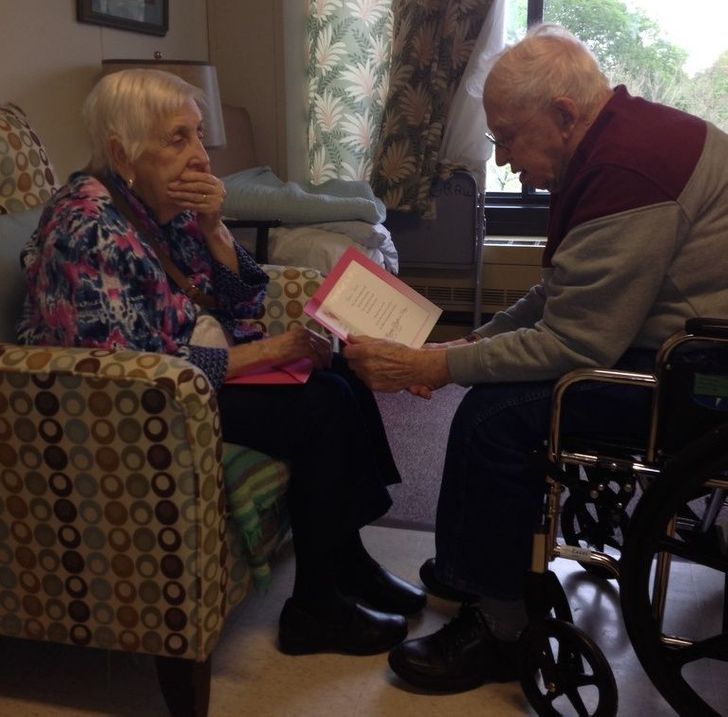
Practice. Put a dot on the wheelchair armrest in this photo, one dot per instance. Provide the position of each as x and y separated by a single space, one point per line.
711 328
594 375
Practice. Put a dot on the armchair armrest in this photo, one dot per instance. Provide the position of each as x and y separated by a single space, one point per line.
124 448
179 379
289 289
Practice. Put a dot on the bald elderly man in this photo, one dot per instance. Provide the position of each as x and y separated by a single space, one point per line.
637 243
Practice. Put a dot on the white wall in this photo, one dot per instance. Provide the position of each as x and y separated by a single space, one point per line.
246 46
296 90
49 61
258 48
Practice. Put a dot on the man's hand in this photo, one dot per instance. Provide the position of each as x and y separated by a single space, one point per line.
389 366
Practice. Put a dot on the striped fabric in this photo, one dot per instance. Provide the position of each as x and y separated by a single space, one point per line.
255 485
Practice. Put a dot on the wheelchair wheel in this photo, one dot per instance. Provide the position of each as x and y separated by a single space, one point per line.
594 515
679 491
564 672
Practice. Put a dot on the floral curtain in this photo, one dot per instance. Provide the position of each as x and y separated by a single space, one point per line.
349 49
432 42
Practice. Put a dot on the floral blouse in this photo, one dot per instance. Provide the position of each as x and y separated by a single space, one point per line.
93 281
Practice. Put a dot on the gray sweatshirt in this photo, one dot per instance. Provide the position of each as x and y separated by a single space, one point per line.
638 243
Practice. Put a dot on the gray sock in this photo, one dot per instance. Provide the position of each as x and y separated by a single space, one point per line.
506 618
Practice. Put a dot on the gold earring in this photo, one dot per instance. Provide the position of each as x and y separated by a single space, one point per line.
130 182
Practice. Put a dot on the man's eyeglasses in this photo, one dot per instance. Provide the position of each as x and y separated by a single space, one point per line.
514 129
497 143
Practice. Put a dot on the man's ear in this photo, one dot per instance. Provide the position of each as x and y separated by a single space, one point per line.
119 159
567 113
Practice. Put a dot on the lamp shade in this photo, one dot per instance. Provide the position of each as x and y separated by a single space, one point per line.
199 74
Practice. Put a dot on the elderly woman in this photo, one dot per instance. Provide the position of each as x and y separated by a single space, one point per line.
125 256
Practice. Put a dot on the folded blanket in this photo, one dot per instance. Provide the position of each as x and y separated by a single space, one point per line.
320 249
257 193
368 235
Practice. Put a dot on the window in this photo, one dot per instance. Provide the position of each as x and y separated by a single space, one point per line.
659 50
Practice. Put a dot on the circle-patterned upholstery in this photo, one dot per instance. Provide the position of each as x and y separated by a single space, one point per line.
125 522
27 177
112 508
288 291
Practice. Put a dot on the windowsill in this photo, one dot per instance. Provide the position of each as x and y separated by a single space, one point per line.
528 220
507 240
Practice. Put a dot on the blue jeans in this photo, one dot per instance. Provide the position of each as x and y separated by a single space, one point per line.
493 484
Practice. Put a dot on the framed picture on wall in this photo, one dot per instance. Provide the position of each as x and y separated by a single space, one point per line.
148 16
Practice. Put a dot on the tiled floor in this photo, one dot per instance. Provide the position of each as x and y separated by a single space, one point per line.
250 677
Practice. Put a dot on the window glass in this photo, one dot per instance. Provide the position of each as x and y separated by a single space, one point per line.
501 179
660 50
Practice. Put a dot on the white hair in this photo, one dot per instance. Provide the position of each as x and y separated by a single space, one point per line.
129 105
549 62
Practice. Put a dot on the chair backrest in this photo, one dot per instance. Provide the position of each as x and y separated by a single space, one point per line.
27 181
27 177
15 230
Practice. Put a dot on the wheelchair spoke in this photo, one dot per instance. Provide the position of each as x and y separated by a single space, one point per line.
586 521
594 514
584 680
577 702
562 663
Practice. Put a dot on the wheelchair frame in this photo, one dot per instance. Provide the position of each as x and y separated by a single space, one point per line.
544 594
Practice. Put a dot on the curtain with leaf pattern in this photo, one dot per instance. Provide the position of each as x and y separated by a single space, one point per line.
432 42
349 50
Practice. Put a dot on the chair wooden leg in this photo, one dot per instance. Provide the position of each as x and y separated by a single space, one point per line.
185 685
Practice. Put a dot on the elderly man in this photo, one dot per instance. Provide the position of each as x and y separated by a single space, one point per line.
637 243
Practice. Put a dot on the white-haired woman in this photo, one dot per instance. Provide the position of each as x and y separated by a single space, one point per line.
125 255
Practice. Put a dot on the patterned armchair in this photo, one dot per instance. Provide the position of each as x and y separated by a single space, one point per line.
125 521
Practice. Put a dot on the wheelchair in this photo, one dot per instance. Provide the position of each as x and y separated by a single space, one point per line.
630 512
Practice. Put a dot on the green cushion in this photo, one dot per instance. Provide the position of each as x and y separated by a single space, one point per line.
255 485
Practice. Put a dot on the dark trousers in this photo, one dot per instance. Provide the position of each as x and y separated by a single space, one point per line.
331 432
493 486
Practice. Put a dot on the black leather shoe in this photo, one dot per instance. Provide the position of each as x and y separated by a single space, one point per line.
460 656
355 631
378 588
438 588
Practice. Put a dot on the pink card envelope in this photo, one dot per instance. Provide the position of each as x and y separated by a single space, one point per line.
290 373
